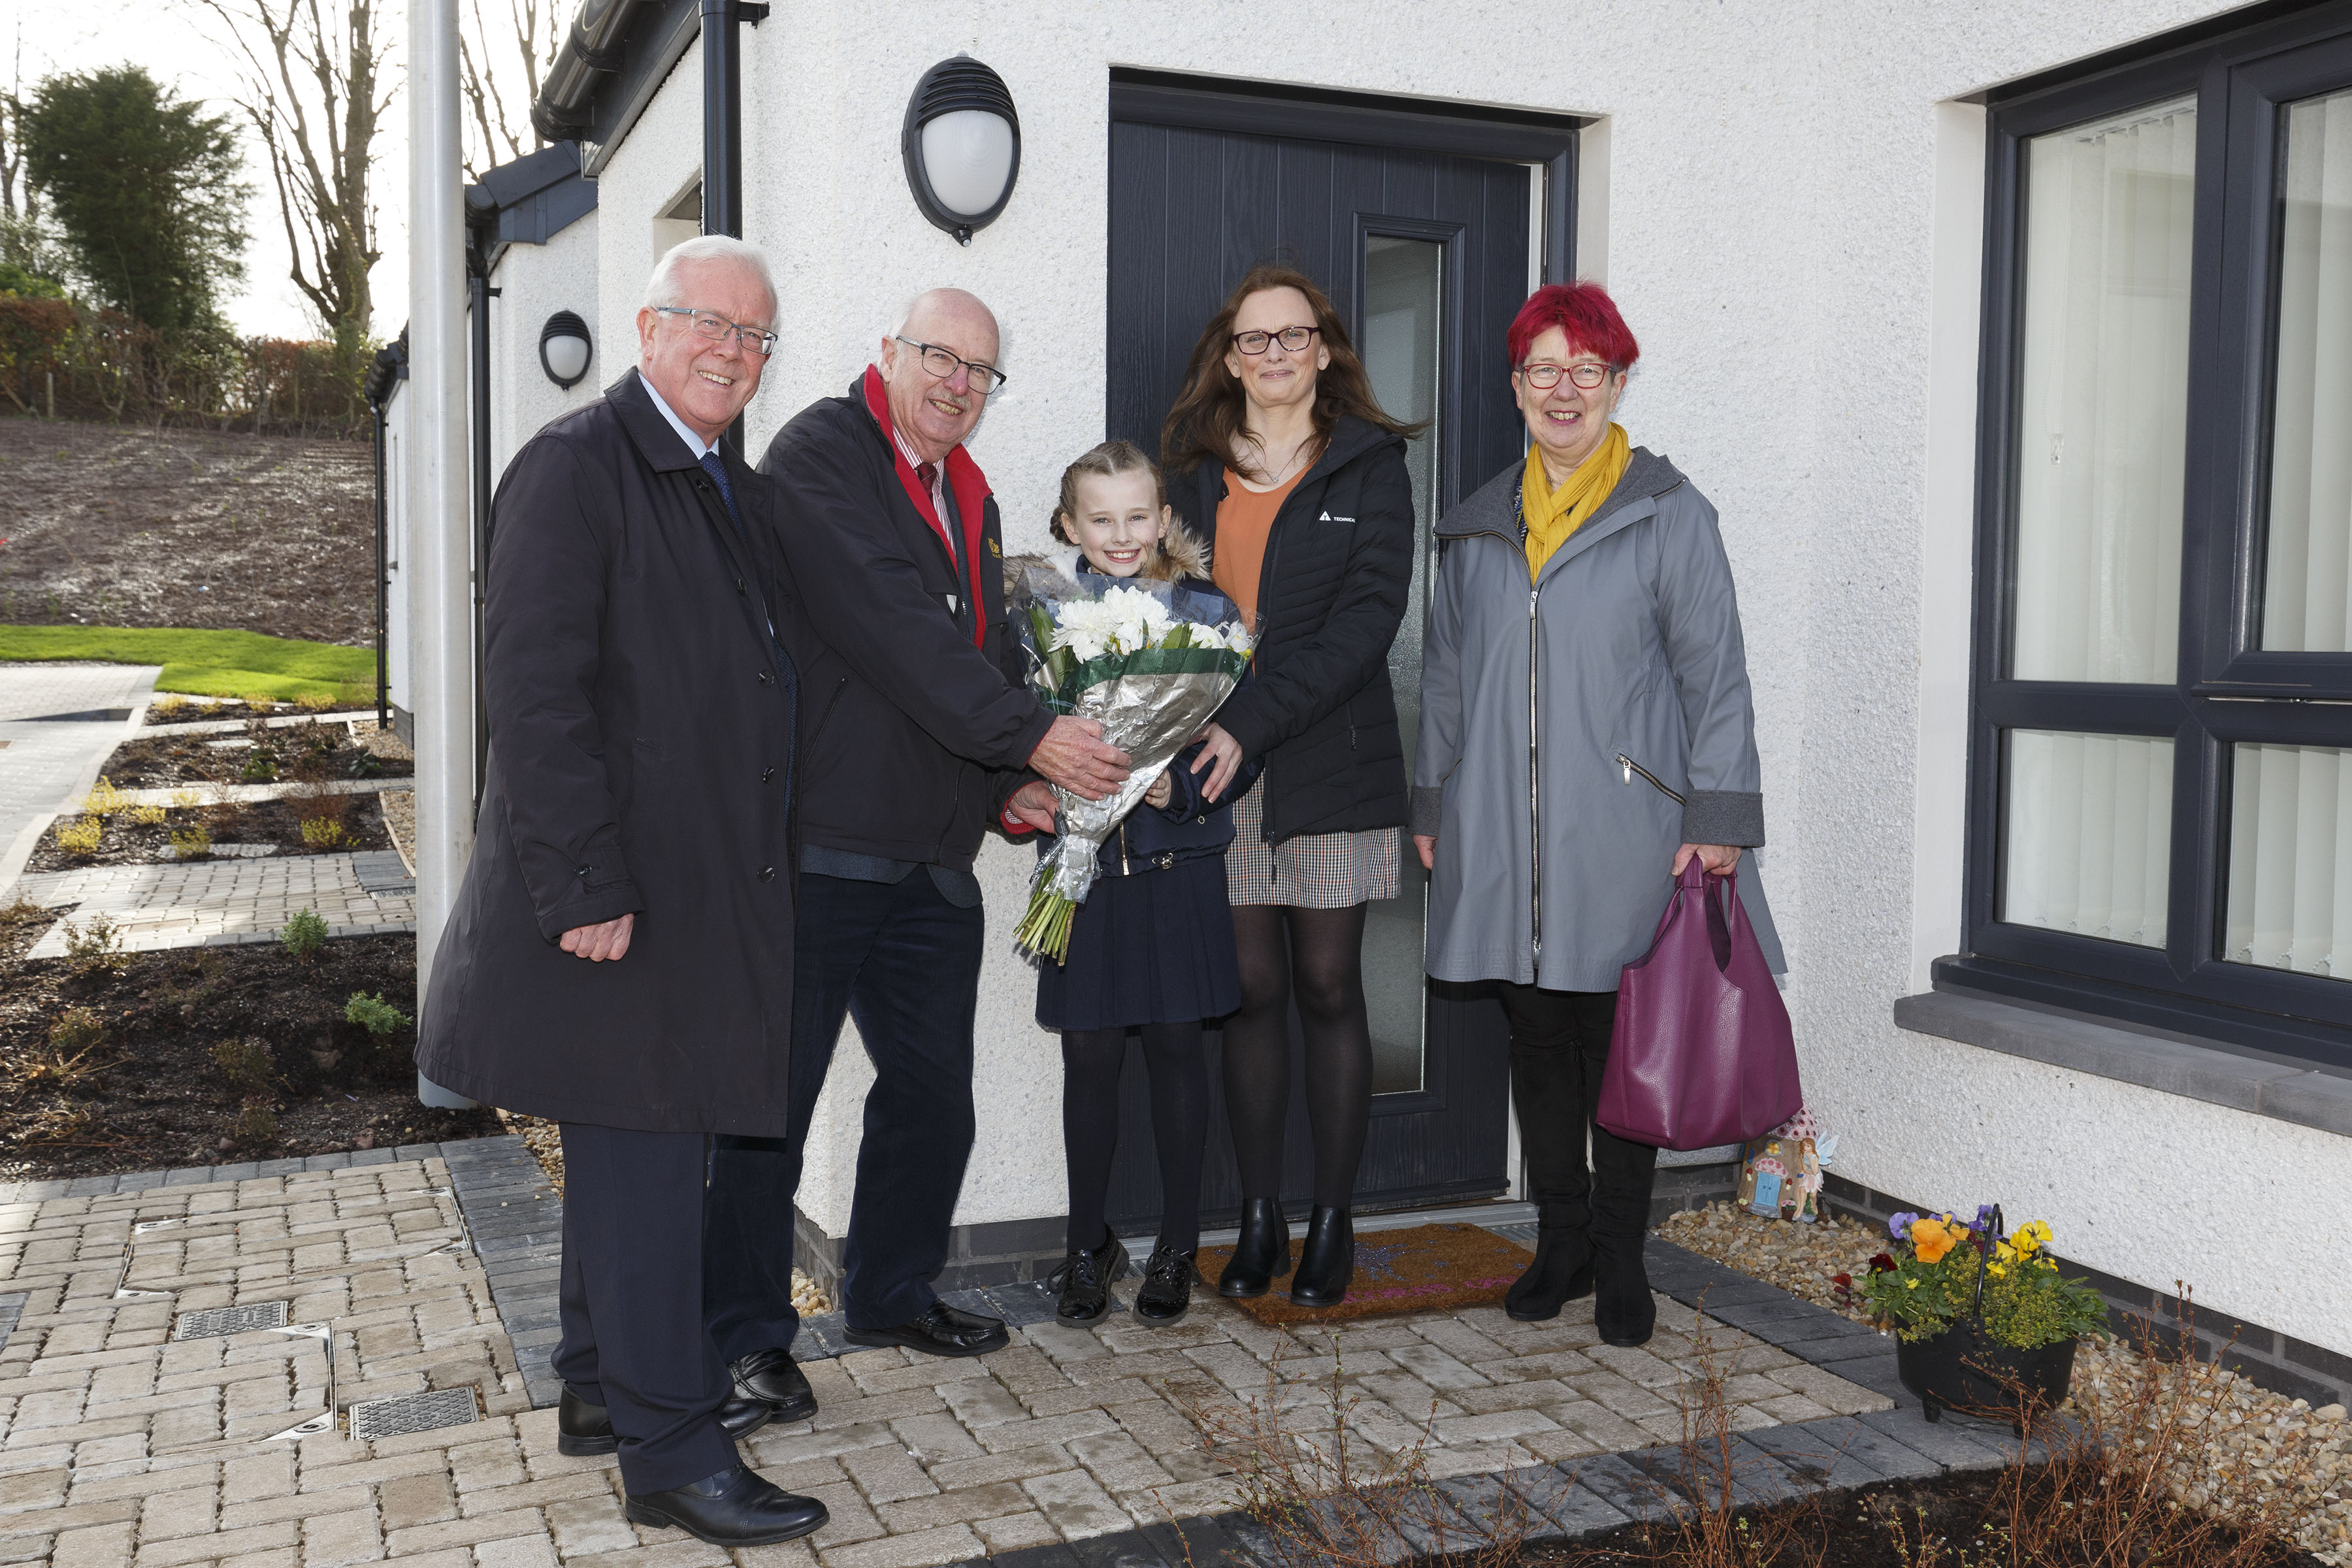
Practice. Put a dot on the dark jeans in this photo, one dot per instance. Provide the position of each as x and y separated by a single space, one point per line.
634 1338
904 962
1559 1047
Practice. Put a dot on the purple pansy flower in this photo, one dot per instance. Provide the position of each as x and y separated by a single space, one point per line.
1899 1227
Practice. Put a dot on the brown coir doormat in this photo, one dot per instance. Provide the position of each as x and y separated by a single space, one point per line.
1429 1269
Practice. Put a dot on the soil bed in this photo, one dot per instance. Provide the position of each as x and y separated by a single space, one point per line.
1857 1529
153 1091
260 755
276 822
171 708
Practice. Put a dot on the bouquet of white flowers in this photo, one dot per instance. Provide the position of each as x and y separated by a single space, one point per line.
1148 660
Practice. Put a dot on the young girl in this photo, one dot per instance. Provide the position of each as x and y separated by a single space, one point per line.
1152 945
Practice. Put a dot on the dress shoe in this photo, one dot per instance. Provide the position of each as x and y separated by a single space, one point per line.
1261 1255
1084 1280
1623 1308
1326 1260
736 1506
770 1377
1166 1294
1563 1271
940 1330
584 1430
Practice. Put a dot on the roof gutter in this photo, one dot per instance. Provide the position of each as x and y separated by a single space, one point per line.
563 109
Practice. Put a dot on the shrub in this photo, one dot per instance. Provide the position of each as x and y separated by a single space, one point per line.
322 832
191 840
260 766
376 1016
104 799
146 815
255 1126
80 835
77 1030
259 701
187 800
246 1062
304 934
314 702
168 709
95 947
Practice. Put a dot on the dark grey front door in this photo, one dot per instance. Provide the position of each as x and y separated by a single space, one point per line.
1420 230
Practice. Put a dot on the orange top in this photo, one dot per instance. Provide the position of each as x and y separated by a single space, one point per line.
1245 519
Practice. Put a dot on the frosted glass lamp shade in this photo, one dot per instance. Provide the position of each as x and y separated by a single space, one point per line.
564 349
962 146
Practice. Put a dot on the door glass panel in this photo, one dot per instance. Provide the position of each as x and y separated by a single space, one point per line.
2103 398
2087 830
2290 904
1404 286
2308 577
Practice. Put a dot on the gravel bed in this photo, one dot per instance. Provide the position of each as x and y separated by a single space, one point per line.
2257 1443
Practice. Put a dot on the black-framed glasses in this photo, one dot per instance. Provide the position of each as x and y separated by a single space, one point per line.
943 364
719 329
1585 373
1291 338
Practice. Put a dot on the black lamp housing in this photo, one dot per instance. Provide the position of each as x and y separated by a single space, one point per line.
565 324
962 83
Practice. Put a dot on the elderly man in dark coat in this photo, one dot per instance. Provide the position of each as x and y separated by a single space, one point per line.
916 743
619 959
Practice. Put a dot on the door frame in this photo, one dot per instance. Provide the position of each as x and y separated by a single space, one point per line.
1548 142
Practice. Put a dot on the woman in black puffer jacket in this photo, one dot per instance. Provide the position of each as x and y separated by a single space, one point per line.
1301 487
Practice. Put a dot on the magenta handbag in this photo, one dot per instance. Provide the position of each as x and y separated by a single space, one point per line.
1702 1053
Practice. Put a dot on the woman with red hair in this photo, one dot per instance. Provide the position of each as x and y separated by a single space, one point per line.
1585 729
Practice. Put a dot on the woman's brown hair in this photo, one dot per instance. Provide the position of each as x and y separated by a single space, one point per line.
1206 423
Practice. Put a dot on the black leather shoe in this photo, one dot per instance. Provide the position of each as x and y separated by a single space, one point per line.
1261 1255
1166 1294
769 1375
736 1506
584 1430
940 1330
1563 1271
1623 1308
1326 1260
1084 1280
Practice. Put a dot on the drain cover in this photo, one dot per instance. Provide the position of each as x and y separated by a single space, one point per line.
415 1412
215 1322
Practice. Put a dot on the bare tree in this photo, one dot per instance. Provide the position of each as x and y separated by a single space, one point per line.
14 176
316 95
489 64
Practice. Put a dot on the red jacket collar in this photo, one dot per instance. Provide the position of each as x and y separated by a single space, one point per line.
964 478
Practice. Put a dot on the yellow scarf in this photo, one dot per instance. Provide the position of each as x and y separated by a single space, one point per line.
1553 514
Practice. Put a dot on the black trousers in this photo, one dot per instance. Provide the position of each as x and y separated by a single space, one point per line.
905 964
1559 1047
634 1336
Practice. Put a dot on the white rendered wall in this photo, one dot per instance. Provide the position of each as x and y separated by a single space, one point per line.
535 281
1790 199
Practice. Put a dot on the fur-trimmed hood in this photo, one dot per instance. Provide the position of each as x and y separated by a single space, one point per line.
1182 554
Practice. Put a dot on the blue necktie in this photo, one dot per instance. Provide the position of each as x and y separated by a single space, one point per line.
715 466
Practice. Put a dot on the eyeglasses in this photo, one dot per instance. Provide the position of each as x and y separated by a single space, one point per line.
1291 338
985 379
1544 377
719 329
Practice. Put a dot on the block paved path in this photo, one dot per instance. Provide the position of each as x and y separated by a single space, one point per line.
53 736
230 900
121 1446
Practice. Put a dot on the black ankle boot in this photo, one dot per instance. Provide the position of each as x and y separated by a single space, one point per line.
1563 1271
1622 1309
1262 1254
1326 1260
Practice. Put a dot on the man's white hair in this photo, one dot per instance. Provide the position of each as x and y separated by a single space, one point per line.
666 289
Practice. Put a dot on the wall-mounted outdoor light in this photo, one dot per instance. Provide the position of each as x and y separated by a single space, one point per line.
961 144
564 348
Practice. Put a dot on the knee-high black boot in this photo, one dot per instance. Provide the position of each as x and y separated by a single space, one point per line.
1548 1087
1623 1177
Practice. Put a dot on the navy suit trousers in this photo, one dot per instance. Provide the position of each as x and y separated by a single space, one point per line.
904 962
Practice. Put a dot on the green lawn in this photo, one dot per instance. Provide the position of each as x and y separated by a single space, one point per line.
209 664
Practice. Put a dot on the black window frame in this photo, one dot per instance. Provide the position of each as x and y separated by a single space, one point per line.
2226 691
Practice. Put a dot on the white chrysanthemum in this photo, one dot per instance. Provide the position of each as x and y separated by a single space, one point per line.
1086 626
1136 618
1236 637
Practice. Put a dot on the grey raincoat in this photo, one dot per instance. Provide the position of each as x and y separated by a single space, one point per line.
1625 660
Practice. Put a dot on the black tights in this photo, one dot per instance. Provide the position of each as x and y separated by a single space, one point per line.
1320 953
1091 1060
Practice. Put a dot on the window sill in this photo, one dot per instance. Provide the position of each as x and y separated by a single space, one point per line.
2167 1063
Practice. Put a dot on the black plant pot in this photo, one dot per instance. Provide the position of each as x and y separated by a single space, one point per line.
1964 1368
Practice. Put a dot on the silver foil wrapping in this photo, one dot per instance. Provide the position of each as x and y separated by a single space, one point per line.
1149 717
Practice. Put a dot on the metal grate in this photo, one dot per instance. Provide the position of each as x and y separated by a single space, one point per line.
216 1322
408 1412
